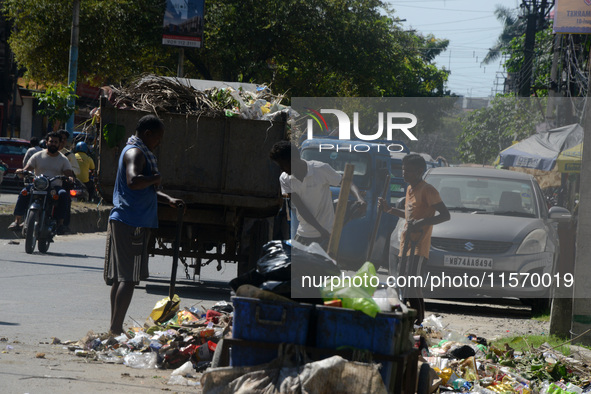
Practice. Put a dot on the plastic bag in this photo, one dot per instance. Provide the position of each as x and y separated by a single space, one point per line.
368 270
186 370
140 360
356 297
182 381
275 264
160 308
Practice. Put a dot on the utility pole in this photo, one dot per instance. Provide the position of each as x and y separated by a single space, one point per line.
581 315
73 67
562 303
536 12
180 71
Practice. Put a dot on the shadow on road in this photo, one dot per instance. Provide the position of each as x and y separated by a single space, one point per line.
5 323
75 255
211 291
490 307
55 265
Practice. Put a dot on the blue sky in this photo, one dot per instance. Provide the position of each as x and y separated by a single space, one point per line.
471 27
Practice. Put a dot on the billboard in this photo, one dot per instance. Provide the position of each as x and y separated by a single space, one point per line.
183 23
572 16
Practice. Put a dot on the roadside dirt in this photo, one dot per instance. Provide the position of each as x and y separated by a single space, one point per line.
487 320
47 368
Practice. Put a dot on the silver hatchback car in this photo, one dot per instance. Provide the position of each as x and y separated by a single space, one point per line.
501 240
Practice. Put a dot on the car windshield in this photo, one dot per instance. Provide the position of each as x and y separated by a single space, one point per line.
337 160
10 149
483 195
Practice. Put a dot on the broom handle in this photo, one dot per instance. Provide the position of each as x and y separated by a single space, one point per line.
176 248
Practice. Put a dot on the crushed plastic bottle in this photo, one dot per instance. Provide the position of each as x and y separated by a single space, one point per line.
140 360
573 388
114 357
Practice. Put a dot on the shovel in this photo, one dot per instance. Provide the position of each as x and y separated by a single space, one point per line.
167 307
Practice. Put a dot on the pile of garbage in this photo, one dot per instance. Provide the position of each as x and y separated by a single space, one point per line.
186 343
159 94
468 363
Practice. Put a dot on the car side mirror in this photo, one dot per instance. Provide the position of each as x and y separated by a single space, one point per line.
559 214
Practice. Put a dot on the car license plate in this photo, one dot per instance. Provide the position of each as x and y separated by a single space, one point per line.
468 262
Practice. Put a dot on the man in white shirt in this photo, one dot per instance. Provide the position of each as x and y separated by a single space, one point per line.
308 183
51 163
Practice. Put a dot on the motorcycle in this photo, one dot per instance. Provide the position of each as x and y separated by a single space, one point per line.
40 225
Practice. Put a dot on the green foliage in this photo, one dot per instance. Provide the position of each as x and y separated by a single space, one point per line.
55 102
117 38
487 131
542 61
532 364
305 48
528 342
513 26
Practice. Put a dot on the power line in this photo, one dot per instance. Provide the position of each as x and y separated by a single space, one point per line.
447 23
468 29
442 9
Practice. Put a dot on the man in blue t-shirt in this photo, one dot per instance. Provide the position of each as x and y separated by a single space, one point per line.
135 212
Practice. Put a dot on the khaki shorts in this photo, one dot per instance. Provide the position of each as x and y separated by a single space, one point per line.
128 258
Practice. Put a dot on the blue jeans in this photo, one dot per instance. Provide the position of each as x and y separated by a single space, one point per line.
63 203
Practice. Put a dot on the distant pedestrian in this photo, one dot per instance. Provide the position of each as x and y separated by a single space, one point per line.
86 165
134 213
68 153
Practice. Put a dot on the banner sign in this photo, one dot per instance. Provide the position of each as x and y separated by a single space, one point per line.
572 16
183 23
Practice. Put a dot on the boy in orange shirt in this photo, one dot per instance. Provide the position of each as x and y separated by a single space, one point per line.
422 202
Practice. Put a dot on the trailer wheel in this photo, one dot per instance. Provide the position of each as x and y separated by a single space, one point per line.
423 384
258 236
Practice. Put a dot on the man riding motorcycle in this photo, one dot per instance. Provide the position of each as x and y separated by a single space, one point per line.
49 162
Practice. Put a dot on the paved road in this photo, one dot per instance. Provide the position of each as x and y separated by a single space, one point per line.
62 294
7 198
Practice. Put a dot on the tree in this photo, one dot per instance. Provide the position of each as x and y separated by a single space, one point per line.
117 38
305 48
513 26
542 60
487 131
320 48
55 103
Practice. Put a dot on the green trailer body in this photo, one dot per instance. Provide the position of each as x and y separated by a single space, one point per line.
220 167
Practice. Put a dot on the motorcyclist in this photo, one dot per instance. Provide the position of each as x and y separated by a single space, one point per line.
49 162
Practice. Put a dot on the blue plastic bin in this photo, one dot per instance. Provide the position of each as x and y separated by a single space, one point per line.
340 327
267 321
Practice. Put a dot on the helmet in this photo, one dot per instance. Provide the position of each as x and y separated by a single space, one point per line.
81 147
